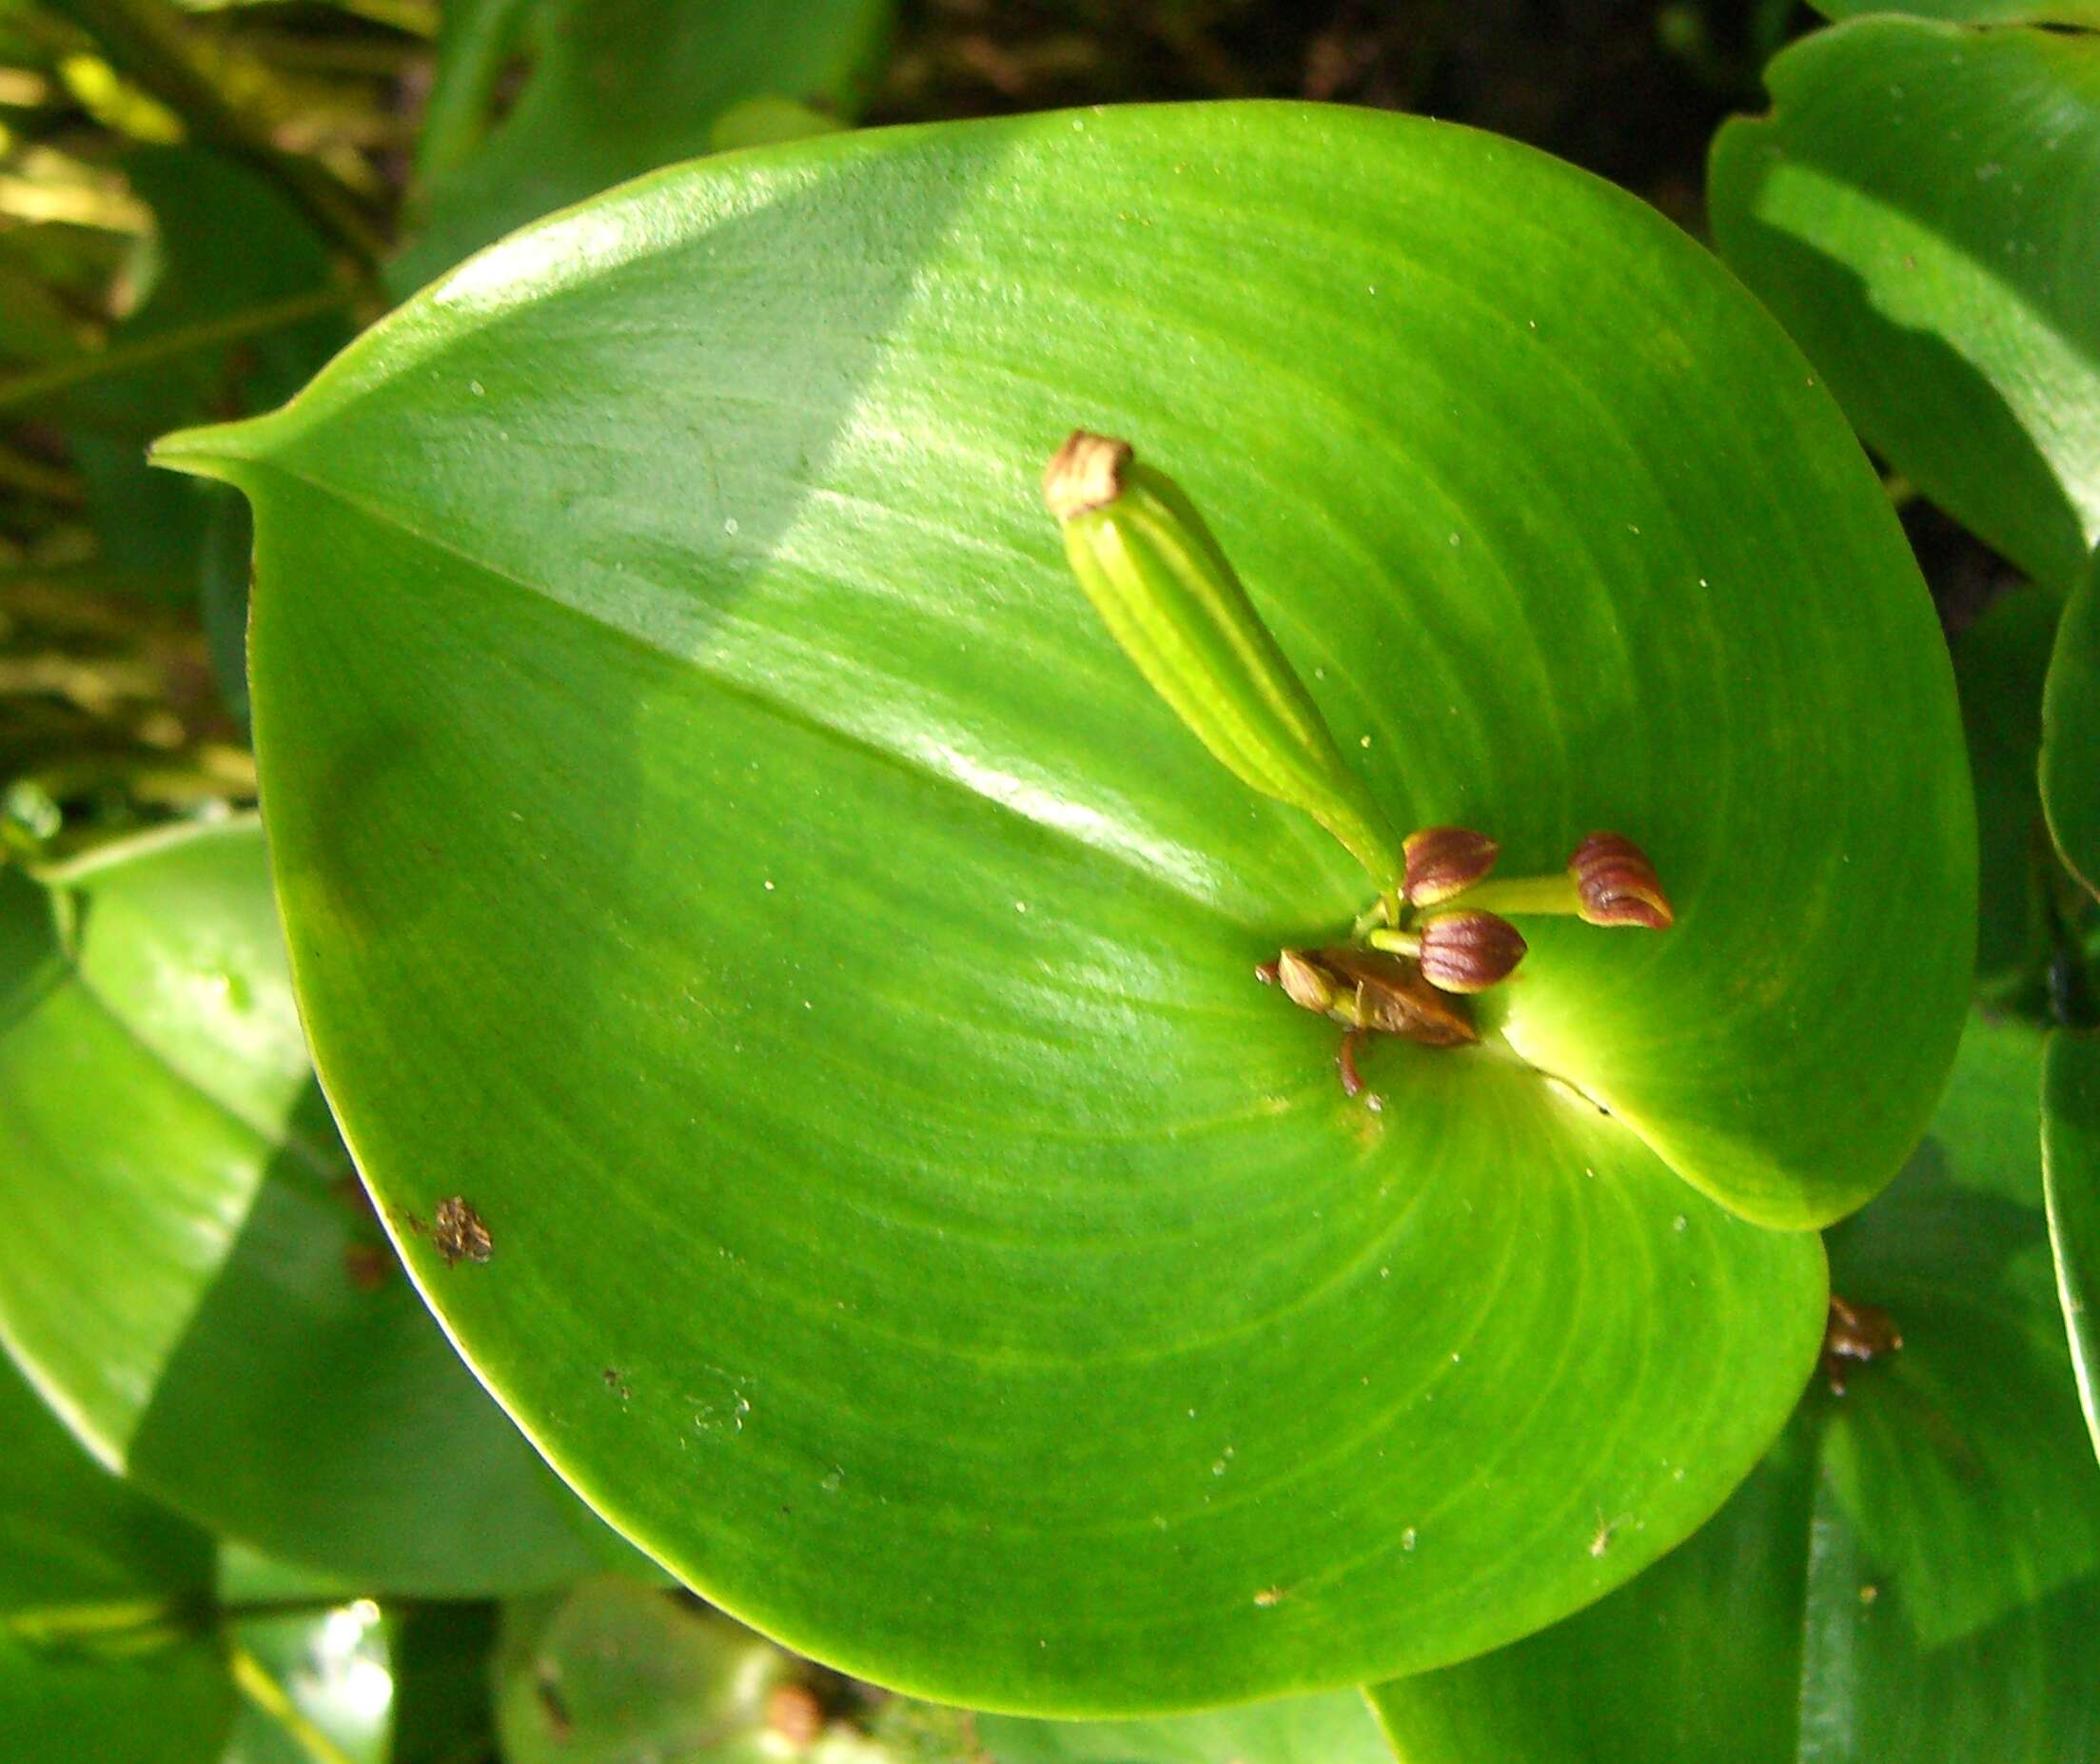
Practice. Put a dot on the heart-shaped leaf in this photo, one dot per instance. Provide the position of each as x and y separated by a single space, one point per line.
1922 210
190 1270
1915 1573
726 858
2070 1161
617 87
102 1654
2071 735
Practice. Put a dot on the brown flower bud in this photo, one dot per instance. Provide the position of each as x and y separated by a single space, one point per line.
1617 885
1306 982
1468 950
1444 861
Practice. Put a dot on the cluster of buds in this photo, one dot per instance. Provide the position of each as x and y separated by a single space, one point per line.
1165 589
1451 938
1452 918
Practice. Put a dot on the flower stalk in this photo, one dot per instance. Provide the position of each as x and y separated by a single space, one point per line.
1168 596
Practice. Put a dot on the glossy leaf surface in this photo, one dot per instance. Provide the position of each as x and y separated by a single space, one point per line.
1915 1573
2071 735
722 847
190 1271
104 1648
2070 1160
1922 211
617 87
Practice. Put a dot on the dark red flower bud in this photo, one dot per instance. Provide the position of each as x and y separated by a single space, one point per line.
1617 885
1468 950
1444 861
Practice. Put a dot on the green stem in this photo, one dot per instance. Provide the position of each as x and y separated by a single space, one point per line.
1520 895
151 42
270 1696
129 358
1395 942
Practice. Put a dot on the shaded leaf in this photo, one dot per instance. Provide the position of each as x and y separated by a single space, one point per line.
1999 665
104 1652
191 1271
2071 735
1919 209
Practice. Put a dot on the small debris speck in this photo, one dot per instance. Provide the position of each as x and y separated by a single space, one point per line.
1680 1223
1269 1597
1869 1593
1408 1539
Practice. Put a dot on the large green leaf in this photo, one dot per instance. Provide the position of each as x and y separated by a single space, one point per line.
720 845
2070 1159
1922 211
191 1272
103 1649
1915 1575
2071 734
617 87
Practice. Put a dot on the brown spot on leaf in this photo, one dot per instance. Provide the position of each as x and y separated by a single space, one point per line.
457 1232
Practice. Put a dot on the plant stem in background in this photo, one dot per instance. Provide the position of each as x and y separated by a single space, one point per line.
127 357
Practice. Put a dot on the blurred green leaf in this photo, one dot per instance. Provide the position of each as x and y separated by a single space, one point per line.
313 1681
1922 210
722 847
612 1673
191 1271
2071 735
1913 1575
617 87
1336 1727
103 1649
2070 1158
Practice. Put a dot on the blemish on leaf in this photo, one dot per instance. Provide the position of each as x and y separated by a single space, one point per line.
458 1232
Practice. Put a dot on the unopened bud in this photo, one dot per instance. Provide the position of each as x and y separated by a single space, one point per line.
1617 885
1304 982
1467 950
1444 861
1170 598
